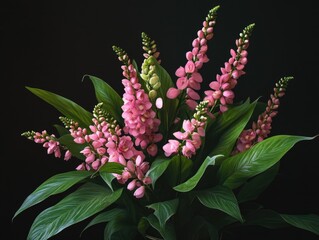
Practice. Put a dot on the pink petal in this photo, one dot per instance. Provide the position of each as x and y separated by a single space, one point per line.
180 72
172 93
182 83
159 103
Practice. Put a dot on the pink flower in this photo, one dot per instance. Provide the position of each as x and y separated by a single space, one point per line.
171 147
190 67
172 93
139 192
67 155
159 103
152 149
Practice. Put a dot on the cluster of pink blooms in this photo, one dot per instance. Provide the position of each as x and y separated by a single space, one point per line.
139 117
222 88
48 141
190 138
261 129
188 77
105 143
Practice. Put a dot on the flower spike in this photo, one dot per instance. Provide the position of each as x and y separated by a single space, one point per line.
221 92
150 48
261 129
190 138
189 78
139 117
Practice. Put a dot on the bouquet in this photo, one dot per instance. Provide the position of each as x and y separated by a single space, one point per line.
165 160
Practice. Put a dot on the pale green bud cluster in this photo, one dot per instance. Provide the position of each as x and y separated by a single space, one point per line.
101 115
149 75
68 122
200 111
29 134
149 46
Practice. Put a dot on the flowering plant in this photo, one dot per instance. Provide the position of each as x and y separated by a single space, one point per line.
162 161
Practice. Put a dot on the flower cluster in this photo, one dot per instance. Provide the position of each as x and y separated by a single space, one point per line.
261 129
169 150
222 88
189 79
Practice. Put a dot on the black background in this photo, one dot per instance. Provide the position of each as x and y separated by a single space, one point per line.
51 45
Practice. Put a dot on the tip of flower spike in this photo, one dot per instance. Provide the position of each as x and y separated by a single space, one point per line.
283 82
212 14
249 29
215 9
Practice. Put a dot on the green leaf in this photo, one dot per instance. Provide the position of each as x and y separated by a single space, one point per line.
235 170
112 102
157 168
75 148
54 185
265 218
120 229
221 198
193 181
271 219
167 113
309 222
106 216
112 167
79 205
61 130
255 186
178 170
229 136
108 178
67 107
164 210
225 120
167 232
199 225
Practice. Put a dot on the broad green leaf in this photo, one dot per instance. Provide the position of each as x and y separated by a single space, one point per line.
225 120
265 218
178 170
193 181
164 210
221 198
67 107
112 167
217 127
309 222
75 148
61 130
112 102
167 232
255 186
228 138
271 219
86 201
120 229
106 216
235 170
157 168
142 226
168 111
200 226
54 185
108 178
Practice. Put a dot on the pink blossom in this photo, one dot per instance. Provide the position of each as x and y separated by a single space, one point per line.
67 155
139 192
172 93
159 103
171 147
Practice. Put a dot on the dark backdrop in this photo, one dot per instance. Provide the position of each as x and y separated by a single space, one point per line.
51 45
